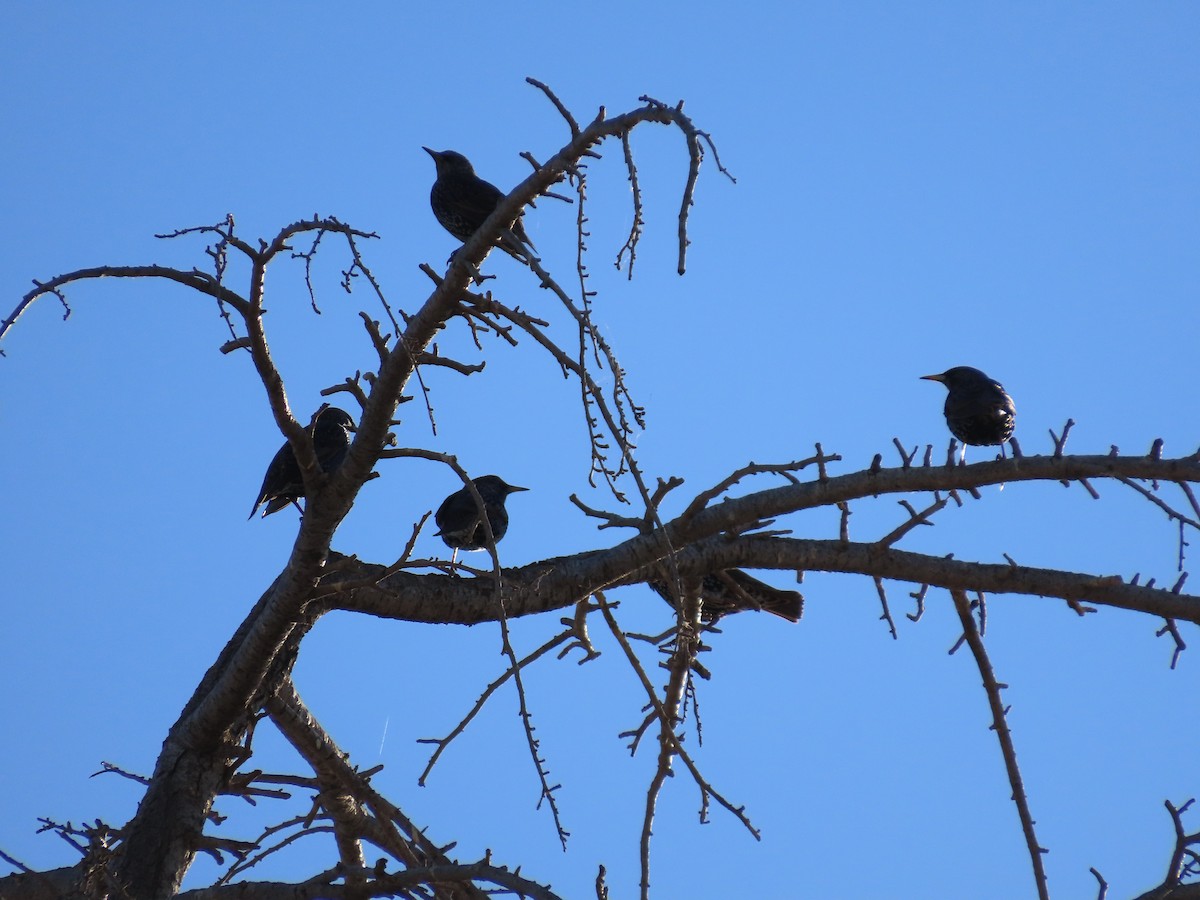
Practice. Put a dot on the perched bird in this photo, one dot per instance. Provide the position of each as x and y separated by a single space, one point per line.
462 201
732 591
978 409
283 483
459 521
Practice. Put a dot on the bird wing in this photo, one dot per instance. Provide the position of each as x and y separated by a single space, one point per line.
480 202
281 480
455 512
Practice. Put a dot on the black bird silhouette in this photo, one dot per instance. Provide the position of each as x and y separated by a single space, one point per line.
978 409
732 591
462 201
283 483
459 521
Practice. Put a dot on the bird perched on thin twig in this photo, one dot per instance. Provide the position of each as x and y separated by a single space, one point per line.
978 409
283 483
460 522
462 201
732 591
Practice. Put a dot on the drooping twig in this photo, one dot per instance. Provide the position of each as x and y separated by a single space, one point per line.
670 747
919 596
1171 512
886 615
442 743
635 229
696 156
1000 724
1171 628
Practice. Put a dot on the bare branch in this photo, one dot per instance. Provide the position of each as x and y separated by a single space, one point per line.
562 110
886 615
1180 646
704 498
670 746
195 279
635 229
1000 725
442 743
915 519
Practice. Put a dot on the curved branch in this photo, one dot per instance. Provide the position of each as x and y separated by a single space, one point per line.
195 279
560 582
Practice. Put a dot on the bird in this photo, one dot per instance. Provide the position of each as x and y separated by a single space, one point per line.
283 483
462 201
459 521
732 591
978 409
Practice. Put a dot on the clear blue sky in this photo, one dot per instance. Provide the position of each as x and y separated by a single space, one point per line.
919 186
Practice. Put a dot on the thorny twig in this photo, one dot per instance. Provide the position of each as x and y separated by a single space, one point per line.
635 229
358 810
1000 725
785 469
442 743
886 615
670 747
1171 628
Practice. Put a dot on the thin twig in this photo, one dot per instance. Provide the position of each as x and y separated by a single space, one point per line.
1000 724
444 742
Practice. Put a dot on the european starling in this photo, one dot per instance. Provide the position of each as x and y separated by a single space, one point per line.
462 201
978 409
459 522
283 483
733 591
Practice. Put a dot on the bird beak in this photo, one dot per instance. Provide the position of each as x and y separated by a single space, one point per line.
432 153
512 489
941 378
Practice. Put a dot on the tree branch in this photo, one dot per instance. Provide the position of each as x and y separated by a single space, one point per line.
1000 725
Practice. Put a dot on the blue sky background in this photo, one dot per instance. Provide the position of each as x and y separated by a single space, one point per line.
919 186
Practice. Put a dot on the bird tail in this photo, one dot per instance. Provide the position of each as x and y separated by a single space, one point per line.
732 591
756 594
517 245
519 230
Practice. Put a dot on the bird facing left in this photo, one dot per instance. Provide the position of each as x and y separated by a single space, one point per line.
978 409
462 201
283 483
